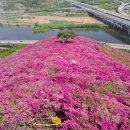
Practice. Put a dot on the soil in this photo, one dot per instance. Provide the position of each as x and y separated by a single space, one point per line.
46 19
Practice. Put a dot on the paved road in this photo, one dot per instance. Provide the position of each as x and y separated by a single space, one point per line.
10 13
5 43
119 46
16 42
122 7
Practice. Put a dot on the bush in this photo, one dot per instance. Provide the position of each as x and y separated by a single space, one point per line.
66 35
36 24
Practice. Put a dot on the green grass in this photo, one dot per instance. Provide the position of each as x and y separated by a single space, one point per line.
105 4
55 4
6 52
65 24
129 11
36 4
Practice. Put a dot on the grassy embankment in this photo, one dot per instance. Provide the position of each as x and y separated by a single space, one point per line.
64 24
105 4
129 11
8 51
117 54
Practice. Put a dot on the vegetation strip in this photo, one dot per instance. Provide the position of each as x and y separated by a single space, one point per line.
64 24
4 52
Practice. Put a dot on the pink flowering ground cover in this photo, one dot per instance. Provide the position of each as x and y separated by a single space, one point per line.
76 82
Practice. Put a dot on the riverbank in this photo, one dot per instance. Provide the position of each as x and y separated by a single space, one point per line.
31 20
55 24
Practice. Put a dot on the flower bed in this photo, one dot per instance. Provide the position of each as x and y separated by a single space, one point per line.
75 82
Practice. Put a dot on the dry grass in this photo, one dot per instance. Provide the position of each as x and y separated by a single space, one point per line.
46 19
116 54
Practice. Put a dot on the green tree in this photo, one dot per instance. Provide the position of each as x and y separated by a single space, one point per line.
66 35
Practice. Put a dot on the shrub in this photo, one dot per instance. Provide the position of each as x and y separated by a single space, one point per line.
66 35
36 24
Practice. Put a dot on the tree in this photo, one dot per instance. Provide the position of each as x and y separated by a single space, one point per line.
66 35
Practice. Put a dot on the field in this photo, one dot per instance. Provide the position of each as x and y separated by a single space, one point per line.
47 19
31 20
82 82
105 4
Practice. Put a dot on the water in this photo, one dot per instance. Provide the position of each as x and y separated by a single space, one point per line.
26 33
1 7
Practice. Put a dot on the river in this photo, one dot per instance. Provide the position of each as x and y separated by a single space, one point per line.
1 7
25 33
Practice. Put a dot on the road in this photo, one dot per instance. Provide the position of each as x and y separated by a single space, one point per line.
12 13
4 43
119 46
16 42
122 7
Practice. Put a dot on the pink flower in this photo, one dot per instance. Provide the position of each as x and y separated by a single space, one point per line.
84 87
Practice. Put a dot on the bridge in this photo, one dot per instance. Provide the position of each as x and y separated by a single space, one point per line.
116 19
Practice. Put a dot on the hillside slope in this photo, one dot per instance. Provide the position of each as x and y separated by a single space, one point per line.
76 82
